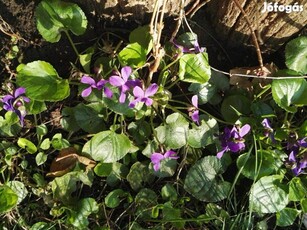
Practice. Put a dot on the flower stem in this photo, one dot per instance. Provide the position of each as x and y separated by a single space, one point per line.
203 111
71 43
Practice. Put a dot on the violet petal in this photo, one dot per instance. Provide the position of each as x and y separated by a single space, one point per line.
116 81
195 116
108 92
86 92
88 80
156 157
122 98
151 90
195 101
19 91
138 92
148 101
244 130
126 72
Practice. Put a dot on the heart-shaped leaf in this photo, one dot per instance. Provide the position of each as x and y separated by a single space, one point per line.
194 68
133 55
78 216
42 82
55 16
174 133
107 146
26 144
203 135
268 195
296 54
290 93
203 181
8 199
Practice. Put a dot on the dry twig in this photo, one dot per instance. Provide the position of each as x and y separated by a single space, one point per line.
254 37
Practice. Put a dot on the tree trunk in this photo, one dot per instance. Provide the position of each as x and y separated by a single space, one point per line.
273 29
128 10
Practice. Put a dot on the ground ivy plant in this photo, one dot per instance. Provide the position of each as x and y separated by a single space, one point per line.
154 144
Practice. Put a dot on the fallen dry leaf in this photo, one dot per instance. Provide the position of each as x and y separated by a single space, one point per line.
66 161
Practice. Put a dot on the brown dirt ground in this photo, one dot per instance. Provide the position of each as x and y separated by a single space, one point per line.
17 19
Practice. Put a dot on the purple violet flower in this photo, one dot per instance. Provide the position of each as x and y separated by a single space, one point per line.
121 81
95 85
196 49
268 130
299 163
232 139
16 102
143 95
193 111
156 158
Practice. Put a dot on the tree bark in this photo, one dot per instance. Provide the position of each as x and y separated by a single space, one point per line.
128 10
273 28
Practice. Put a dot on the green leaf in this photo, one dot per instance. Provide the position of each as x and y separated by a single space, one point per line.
290 93
142 36
261 109
150 148
8 199
145 201
45 144
267 195
85 59
133 55
103 169
107 146
35 107
173 215
286 217
119 172
112 200
140 131
8 129
68 120
297 189
11 118
216 211
55 16
203 182
203 135
79 216
194 68
235 105
63 187
138 175
168 192
303 129
204 91
19 188
40 158
267 162
42 82
41 130
304 205
167 168
27 145
174 133
119 108
58 142
89 117
187 40
296 54
42 226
